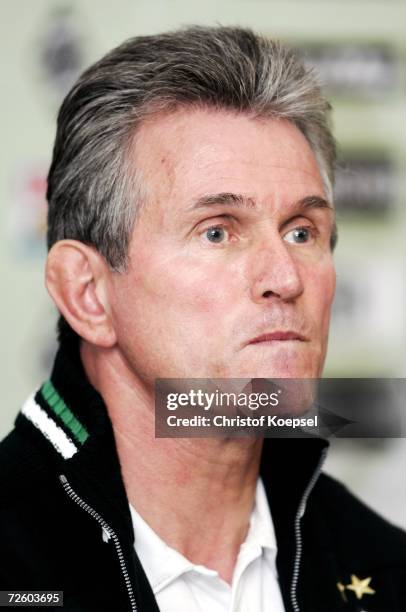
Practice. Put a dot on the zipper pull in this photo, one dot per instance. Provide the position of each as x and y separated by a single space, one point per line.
106 535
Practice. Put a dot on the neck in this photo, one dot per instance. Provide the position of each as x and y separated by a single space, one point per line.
196 494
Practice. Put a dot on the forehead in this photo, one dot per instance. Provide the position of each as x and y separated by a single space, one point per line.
192 152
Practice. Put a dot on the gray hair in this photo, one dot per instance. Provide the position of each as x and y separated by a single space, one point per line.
93 193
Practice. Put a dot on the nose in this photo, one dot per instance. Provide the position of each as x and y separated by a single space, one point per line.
274 272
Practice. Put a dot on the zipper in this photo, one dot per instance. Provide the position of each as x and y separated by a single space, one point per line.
298 534
108 533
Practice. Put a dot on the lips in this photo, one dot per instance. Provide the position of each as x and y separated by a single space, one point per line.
278 336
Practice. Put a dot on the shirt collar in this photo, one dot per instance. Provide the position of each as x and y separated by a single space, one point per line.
261 530
163 564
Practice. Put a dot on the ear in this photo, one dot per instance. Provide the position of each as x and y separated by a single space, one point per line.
76 278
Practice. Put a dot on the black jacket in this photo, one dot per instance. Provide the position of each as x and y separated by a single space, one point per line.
65 522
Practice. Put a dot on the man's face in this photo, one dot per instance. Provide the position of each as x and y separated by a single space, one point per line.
231 273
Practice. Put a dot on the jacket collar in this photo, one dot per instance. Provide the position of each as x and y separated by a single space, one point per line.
93 467
89 462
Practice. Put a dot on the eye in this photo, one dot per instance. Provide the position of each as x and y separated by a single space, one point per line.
299 235
215 234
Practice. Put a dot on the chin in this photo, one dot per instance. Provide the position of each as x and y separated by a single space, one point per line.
301 361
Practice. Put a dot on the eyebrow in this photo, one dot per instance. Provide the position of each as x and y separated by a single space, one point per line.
224 198
241 201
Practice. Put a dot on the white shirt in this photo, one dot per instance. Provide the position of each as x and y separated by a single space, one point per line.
178 584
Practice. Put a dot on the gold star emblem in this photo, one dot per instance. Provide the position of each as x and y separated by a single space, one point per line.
360 586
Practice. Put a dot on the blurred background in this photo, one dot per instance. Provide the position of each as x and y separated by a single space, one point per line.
359 50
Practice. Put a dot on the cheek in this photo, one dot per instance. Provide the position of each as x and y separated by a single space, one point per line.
321 282
182 299
328 281
191 286
326 291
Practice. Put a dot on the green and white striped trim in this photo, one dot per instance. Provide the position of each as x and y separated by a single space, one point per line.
58 406
58 438
64 444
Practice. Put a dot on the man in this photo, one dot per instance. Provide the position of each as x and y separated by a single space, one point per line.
191 229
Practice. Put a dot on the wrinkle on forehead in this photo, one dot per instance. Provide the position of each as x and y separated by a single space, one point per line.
196 150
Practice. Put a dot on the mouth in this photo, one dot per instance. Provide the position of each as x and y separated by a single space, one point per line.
279 336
